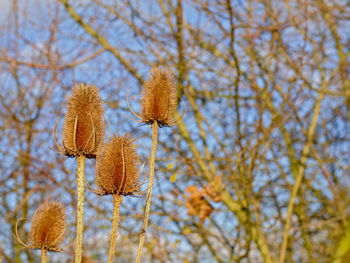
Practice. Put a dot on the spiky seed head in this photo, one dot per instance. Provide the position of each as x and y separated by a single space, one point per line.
159 98
84 124
117 167
47 230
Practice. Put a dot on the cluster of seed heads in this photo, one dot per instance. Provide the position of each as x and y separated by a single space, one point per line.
117 162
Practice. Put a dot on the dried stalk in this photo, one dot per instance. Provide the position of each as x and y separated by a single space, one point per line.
117 199
149 190
80 210
43 256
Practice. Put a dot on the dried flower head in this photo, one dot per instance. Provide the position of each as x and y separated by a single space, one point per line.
117 167
159 98
48 227
84 125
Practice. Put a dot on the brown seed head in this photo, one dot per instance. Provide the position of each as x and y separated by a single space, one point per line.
159 98
84 125
117 167
47 230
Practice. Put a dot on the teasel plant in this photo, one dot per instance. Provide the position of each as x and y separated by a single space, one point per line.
47 230
83 135
159 102
117 174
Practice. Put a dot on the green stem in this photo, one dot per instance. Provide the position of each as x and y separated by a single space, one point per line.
343 246
149 191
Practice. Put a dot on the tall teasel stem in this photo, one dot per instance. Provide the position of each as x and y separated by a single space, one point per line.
117 199
83 134
43 256
149 190
80 210
159 102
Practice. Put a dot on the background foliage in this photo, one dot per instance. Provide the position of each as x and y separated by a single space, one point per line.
258 169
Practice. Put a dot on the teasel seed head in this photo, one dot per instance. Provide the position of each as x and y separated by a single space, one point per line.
47 230
84 124
117 167
159 98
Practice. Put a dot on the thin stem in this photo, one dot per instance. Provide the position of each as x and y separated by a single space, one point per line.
149 191
300 176
117 199
43 256
80 208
